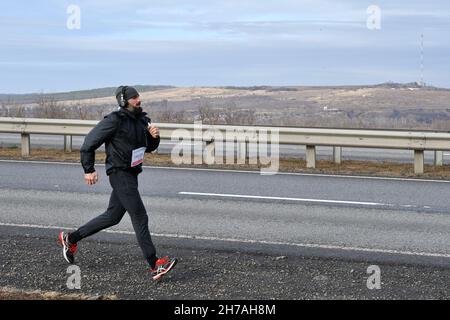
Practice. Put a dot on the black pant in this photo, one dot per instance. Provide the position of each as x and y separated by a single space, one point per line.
124 197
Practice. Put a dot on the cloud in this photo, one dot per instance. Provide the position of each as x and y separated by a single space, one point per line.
220 42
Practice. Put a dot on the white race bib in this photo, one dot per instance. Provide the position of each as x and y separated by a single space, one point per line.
137 156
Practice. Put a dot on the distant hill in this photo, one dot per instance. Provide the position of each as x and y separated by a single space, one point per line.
74 95
386 85
108 92
385 105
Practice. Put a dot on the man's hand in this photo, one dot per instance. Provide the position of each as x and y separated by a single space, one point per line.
154 131
91 178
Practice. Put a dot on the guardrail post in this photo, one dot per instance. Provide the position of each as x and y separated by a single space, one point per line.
25 144
67 143
247 150
310 156
418 161
241 152
337 155
209 152
438 158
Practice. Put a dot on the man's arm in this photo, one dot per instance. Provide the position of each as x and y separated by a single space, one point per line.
152 143
153 139
95 138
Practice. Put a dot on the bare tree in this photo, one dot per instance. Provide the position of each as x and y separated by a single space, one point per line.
49 108
166 114
239 117
180 117
230 114
207 114
4 110
12 109
18 111
101 111
162 112
81 112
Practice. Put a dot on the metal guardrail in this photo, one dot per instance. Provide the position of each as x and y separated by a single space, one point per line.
419 141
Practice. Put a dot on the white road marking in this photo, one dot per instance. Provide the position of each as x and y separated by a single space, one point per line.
242 171
285 198
295 244
46 162
363 203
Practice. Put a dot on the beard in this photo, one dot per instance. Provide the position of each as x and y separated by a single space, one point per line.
137 110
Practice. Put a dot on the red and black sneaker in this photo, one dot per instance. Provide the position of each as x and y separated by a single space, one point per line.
68 248
163 266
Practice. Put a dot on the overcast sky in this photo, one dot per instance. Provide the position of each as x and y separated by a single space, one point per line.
218 43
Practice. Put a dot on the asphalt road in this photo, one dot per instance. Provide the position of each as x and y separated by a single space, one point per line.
239 234
404 156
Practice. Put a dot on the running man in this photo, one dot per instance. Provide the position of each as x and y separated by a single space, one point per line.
127 135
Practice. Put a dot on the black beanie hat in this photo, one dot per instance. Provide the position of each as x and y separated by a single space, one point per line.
128 93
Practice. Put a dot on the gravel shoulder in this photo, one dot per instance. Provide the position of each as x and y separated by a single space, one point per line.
111 266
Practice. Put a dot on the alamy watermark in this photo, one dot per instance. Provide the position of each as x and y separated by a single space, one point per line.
227 145
74 279
374 280
74 19
373 21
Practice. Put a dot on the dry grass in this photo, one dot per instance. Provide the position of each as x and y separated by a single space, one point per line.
349 167
335 97
336 107
15 294
177 94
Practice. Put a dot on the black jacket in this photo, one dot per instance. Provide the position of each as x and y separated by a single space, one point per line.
122 132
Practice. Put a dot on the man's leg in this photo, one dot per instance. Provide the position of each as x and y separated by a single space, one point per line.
129 196
109 218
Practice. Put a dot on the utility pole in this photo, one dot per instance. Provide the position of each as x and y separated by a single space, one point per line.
422 83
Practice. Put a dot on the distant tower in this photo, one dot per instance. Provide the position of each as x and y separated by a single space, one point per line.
422 83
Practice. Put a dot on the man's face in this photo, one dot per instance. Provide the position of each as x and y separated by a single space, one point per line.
134 102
